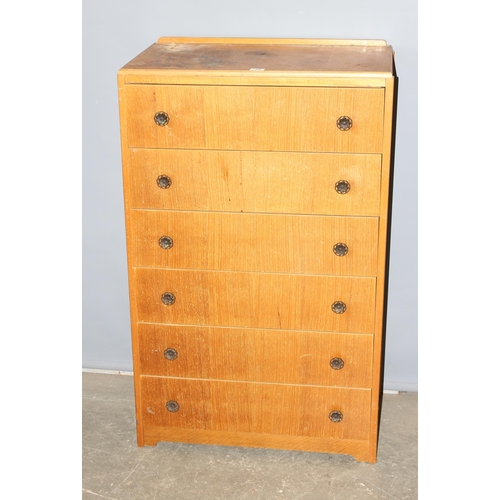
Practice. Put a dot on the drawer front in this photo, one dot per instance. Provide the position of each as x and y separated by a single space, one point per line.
302 183
255 118
289 357
289 410
281 301
255 242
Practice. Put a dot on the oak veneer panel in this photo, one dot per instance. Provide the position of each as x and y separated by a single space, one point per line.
360 449
251 78
255 300
277 356
255 242
255 118
247 181
278 409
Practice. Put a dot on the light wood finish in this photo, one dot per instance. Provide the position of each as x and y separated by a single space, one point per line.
251 61
127 181
252 118
253 153
250 78
256 300
380 312
279 409
247 181
239 57
272 41
289 357
255 242
358 448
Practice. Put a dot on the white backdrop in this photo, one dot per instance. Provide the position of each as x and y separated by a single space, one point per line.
115 31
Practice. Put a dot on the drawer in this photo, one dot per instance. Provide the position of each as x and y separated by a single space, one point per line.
290 357
279 409
255 118
302 183
284 301
255 242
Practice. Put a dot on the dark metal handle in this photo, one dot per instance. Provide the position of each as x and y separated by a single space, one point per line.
172 406
168 298
342 187
338 307
164 181
162 119
170 353
166 242
340 249
337 363
336 416
344 123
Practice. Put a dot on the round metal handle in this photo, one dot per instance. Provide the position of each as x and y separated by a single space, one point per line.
340 249
344 123
166 242
162 119
164 181
172 406
336 416
338 307
342 187
337 363
168 298
170 353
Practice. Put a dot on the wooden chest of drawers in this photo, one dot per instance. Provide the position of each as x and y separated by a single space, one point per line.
256 179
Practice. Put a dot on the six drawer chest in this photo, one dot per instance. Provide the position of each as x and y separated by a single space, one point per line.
257 180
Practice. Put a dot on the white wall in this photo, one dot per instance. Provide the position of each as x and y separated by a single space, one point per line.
115 31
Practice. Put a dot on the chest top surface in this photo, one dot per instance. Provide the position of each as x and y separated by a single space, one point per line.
261 57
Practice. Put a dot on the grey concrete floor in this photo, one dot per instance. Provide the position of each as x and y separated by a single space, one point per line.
114 468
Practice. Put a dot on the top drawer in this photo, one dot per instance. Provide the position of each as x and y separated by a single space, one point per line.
255 118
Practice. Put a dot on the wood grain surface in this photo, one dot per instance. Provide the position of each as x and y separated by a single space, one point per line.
256 300
255 118
279 409
254 181
292 357
360 449
255 242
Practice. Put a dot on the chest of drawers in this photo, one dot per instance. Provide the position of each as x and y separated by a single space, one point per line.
256 180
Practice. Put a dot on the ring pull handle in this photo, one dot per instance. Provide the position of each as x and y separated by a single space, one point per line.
166 242
337 363
164 181
170 353
162 119
344 123
342 187
340 249
168 298
172 406
336 416
339 307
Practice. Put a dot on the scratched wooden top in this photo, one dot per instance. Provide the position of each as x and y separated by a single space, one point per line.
198 55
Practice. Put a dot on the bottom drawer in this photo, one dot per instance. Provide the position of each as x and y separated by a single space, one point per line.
278 409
